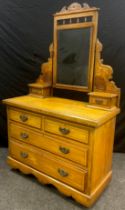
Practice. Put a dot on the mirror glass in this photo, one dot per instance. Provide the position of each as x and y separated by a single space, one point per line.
73 46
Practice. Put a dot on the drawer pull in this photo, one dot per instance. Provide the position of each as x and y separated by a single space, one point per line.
64 150
24 155
24 135
23 118
64 130
62 172
99 101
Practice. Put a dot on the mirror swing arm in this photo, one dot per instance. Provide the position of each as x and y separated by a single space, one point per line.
101 89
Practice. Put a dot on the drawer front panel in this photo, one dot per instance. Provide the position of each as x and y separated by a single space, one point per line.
75 152
99 101
49 164
26 118
66 130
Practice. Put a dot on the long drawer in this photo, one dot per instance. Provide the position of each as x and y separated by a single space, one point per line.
49 164
68 149
25 118
64 129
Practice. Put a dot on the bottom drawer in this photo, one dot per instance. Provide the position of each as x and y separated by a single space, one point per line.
48 163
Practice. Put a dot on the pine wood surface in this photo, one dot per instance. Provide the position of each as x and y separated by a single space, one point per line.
77 158
64 108
75 150
49 164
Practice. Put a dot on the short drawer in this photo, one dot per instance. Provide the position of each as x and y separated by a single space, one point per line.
74 151
99 101
49 164
106 100
66 130
25 118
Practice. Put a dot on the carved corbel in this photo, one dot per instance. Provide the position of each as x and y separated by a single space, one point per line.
103 75
42 86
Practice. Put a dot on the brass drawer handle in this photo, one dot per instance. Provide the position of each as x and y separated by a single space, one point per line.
23 118
62 172
64 130
99 101
64 150
24 135
24 155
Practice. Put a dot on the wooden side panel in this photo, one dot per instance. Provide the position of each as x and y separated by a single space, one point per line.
102 153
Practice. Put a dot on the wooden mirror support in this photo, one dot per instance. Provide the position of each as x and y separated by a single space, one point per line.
64 142
43 86
101 89
105 93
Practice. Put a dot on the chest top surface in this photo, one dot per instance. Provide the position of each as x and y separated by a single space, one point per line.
67 109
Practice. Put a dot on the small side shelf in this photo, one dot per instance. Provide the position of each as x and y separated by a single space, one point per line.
103 99
41 90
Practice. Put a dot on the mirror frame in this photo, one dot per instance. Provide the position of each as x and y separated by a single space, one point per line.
62 16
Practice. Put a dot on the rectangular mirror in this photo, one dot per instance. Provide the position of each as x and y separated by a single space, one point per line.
72 58
74 49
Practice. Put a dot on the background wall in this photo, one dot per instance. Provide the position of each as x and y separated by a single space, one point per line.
25 34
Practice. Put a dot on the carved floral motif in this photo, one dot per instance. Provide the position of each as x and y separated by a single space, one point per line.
74 6
46 70
103 74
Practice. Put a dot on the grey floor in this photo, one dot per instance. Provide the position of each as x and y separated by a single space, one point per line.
21 192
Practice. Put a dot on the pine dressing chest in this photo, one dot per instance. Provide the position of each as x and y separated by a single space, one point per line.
63 142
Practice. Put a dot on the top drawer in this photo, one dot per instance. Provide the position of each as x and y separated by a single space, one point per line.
66 130
25 118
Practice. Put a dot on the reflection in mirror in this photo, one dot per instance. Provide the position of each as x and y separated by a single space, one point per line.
73 56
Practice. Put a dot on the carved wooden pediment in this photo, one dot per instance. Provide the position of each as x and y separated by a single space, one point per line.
75 7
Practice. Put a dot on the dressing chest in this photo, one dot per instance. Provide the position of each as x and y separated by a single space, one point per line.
64 142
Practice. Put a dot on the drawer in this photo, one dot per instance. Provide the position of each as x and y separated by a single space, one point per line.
66 130
99 101
74 151
107 100
65 171
25 118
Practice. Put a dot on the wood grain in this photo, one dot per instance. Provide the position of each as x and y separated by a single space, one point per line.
46 162
76 151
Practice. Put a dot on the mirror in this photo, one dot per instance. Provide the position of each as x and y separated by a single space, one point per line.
75 35
73 56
